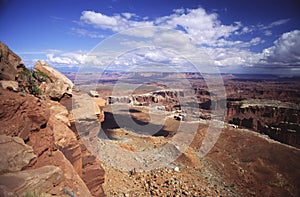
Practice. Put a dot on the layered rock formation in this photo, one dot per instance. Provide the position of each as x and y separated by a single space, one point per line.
279 120
167 98
15 154
40 154
31 182
44 127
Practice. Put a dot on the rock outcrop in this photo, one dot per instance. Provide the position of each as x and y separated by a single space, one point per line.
44 125
10 85
8 63
59 84
38 181
21 116
278 120
40 154
167 98
15 154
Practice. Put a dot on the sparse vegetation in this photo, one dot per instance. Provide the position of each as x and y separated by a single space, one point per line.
32 80
40 76
36 91
31 194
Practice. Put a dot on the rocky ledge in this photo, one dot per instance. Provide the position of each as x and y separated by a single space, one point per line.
40 153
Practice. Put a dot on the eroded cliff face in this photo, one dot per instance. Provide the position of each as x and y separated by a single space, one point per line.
278 120
167 98
44 126
40 153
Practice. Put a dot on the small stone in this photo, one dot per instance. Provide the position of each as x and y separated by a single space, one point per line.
176 169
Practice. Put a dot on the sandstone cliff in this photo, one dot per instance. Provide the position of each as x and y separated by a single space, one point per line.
278 120
40 153
43 125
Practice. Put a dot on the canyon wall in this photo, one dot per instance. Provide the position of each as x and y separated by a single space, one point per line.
280 121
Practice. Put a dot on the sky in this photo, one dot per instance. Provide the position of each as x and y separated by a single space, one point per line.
233 36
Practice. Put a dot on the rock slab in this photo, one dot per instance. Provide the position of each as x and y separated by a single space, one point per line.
59 84
15 154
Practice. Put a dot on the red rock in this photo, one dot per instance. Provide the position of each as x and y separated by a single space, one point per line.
43 124
58 85
20 116
15 154
8 63
44 180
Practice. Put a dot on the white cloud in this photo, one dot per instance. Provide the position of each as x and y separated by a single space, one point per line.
268 33
239 43
192 33
233 56
128 15
140 32
115 23
286 50
60 60
84 32
98 20
275 23
204 28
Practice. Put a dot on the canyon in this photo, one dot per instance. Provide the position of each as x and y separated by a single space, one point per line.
146 134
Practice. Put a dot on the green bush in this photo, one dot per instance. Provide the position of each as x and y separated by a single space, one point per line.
40 76
32 79
26 74
36 91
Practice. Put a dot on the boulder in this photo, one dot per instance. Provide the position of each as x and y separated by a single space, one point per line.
15 154
59 84
10 85
37 181
86 107
6 192
8 63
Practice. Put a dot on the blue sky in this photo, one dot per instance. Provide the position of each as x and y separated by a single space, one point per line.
237 36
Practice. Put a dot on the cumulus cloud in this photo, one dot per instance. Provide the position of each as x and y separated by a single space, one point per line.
204 28
233 57
286 50
192 33
285 53
115 23
60 60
